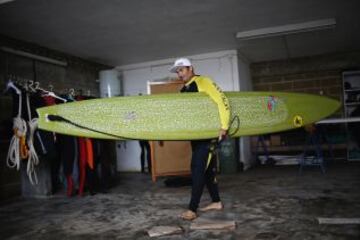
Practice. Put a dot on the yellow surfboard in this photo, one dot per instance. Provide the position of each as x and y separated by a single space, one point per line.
184 116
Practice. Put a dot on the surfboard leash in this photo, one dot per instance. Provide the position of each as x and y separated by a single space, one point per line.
57 118
237 126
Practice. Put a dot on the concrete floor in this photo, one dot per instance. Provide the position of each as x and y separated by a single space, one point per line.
265 203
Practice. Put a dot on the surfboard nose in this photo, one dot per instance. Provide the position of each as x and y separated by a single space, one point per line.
333 104
326 106
313 108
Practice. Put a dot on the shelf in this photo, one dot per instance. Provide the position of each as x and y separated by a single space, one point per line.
352 90
351 73
299 148
351 79
352 104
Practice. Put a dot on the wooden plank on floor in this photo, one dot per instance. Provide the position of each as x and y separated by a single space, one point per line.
212 224
339 221
164 230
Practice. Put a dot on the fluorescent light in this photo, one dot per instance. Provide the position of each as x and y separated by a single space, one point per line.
287 29
5 1
33 56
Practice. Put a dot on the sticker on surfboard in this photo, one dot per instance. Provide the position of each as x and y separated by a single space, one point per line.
271 103
130 116
298 121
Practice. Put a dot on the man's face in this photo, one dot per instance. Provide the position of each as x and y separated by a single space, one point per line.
185 73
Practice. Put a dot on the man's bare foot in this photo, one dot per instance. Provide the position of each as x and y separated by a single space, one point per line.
188 215
212 206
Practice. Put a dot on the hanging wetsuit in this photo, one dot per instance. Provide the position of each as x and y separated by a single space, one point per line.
145 150
67 152
94 180
52 148
201 173
67 148
86 158
19 111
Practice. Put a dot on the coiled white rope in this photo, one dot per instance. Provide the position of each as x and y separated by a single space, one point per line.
33 158
14 155
19 127
18 148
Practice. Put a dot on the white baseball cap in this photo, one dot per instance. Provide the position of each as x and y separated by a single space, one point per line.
181 62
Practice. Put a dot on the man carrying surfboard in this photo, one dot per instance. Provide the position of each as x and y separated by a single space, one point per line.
203 166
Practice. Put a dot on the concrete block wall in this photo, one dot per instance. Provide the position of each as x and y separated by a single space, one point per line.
320 74
317 74
78 74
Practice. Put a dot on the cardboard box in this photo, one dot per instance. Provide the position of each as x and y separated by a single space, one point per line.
275 140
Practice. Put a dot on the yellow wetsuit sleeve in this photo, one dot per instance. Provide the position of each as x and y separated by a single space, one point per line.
208 86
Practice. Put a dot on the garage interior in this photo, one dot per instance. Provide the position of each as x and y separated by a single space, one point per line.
296 184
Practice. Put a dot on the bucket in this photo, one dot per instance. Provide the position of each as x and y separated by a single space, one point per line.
228 156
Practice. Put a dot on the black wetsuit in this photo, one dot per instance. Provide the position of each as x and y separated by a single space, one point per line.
201 175
145 149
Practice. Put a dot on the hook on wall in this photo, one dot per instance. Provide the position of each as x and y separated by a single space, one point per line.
37 85
72 92
30 84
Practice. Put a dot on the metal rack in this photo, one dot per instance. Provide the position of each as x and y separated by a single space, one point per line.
351 102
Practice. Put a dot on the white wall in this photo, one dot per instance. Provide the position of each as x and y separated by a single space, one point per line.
222 66
128 156
245 85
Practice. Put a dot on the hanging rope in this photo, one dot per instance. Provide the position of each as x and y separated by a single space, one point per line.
32 158
21 147
17 148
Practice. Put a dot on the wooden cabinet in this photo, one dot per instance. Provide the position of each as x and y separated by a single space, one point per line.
169 158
